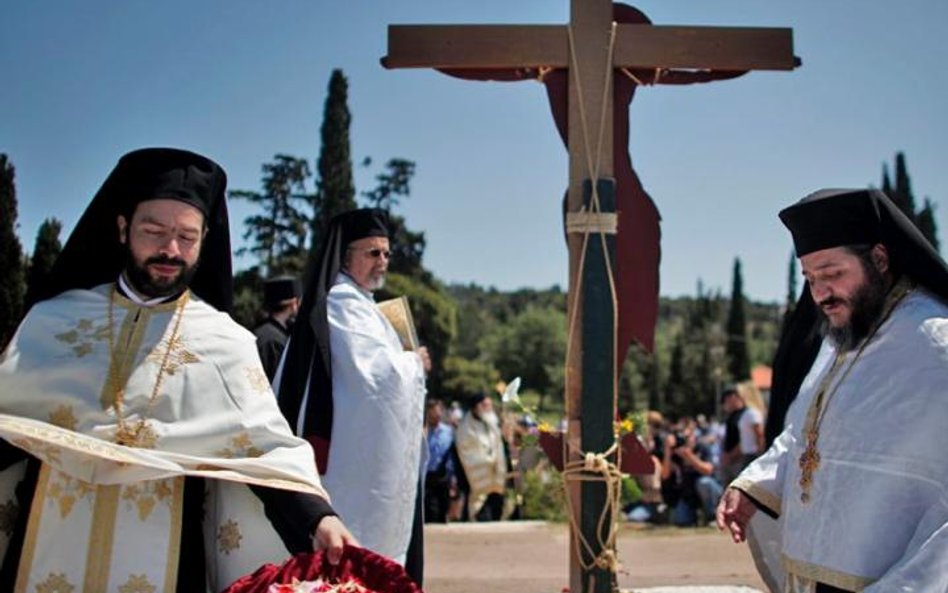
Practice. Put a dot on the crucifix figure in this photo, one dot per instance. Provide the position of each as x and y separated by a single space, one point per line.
591 68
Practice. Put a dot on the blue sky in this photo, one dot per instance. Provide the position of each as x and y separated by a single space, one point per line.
239 80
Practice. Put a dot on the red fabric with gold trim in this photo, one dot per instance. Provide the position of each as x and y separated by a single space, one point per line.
374 571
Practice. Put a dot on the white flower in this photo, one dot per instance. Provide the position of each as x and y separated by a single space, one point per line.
511 395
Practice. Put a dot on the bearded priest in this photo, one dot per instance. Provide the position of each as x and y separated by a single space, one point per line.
135 415
853 494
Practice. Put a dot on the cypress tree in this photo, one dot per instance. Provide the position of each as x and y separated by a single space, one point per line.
791 292
736 349
335 190
902 196
12 288
926 223
903 188
45 252
886 182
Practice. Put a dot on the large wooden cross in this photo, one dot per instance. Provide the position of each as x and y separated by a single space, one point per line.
591 45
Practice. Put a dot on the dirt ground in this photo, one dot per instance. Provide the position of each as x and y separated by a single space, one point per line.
532 557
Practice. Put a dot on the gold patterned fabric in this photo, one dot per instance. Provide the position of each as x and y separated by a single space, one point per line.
77 369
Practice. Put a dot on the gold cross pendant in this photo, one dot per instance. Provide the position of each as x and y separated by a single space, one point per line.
809 462
142 436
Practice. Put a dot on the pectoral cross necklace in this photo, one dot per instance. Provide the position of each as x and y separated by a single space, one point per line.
809 461
141 434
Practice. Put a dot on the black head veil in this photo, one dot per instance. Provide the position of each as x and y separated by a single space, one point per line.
835 218
94 255
306 365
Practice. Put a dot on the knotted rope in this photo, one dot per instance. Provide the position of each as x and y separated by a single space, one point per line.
590 466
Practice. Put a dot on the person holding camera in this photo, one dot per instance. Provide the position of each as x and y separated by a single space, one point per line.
688 482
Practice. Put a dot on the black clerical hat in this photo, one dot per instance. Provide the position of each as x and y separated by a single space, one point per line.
359 224
832 218
279 289
170 173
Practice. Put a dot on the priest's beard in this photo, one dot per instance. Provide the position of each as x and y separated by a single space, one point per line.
377 282
144 284
865 307
490 418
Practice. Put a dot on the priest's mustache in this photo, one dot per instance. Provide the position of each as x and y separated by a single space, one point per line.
165 260
831 301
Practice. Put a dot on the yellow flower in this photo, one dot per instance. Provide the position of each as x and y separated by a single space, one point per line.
545 427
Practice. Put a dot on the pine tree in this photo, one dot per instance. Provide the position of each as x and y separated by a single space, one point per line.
45 252
335 190
11 256
736 349
278 235
926 223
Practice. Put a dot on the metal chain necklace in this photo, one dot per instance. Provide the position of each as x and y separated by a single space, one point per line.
141 434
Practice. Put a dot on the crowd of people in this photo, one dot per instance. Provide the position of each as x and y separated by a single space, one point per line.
148 442
696 458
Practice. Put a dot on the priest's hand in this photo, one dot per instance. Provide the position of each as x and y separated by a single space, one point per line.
734 512
331 535
425 358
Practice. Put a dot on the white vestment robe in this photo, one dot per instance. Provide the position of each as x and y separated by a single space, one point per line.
877 520
375 456
481 450
105 516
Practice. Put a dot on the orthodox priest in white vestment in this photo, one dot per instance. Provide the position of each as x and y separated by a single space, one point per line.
135 414
853 494
483 456
351 389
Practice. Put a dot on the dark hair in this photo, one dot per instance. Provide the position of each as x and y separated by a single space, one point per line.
730 389
863 251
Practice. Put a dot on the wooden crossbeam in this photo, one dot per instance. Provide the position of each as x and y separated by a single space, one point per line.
637 46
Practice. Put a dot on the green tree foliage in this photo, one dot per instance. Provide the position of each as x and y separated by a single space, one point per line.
335 189
464 378
532 345
278 233
736 349
408 247
902 196
45 252
248 298
395 181
902 192
792 293
12 289
926 223
435 317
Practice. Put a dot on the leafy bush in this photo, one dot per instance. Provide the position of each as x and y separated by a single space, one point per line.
543 495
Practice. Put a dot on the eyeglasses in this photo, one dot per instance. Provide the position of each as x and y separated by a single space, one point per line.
375 252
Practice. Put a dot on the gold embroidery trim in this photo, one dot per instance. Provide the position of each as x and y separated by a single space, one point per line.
122 361
35 437
228 537
32 530
825 575
101 539
764 497
174 541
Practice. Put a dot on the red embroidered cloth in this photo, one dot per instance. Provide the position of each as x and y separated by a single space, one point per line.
374 571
